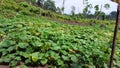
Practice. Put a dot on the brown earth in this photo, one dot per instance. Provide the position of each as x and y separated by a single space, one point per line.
7 66
78 23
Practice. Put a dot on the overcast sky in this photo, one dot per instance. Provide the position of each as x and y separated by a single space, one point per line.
79 5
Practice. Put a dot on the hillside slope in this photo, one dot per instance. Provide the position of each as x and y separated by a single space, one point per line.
28 38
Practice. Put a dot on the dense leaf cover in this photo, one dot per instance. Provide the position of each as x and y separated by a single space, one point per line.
29 38
37 41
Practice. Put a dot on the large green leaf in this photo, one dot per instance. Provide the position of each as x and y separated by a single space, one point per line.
22 45
44 61
35 56
11 48
66 58
74 58
60 62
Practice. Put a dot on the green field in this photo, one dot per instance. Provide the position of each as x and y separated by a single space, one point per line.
35 40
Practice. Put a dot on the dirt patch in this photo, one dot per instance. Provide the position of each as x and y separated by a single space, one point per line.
7 66
78 23
72 22
46 66
4 66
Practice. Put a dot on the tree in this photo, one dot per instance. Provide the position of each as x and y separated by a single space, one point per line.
50 5
107 6
40 3
32 2
73 10
96 7
58 10
103 15
63 8
113 15
87 9
97 12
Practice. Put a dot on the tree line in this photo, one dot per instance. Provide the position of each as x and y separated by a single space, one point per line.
98 14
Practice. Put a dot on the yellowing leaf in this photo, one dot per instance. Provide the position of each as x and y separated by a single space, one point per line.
35 56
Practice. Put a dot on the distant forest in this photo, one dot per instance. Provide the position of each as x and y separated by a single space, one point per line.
100 15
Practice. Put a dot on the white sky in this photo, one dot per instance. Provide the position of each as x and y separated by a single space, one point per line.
79 5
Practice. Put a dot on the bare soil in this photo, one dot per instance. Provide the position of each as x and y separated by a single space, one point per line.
7 66
78 23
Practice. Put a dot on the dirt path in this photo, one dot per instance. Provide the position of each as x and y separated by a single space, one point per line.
3 65
78 23
73 22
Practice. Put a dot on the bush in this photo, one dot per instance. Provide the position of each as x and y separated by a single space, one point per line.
8 13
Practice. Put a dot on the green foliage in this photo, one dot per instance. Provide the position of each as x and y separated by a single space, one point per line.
10 9
50 5
40 42
40 3
107 6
